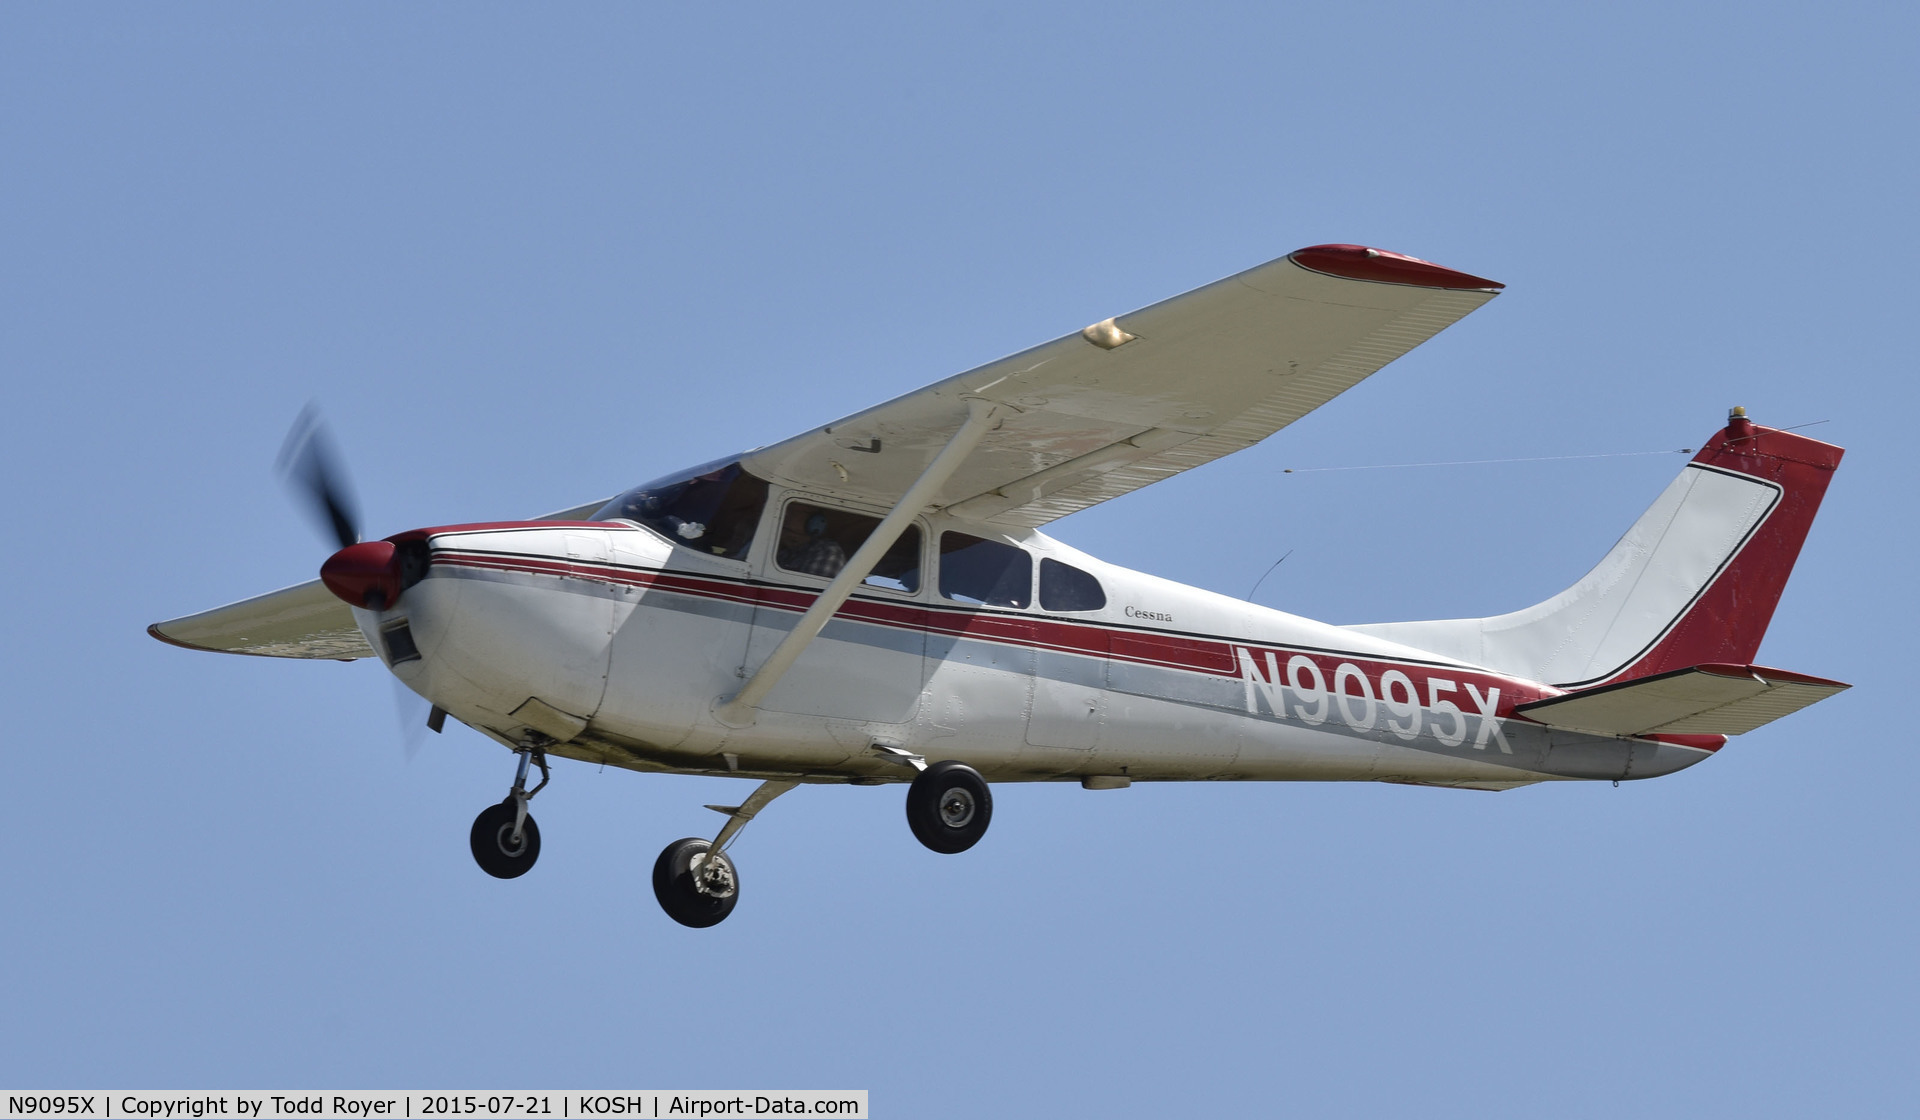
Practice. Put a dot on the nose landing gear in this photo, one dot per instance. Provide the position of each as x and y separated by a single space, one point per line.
505 840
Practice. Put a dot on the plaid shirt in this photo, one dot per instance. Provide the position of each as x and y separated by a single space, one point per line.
821 557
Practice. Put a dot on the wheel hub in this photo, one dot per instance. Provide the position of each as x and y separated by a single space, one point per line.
505 840
713 876
956 808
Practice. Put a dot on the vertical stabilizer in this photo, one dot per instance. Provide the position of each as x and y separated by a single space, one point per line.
1694 581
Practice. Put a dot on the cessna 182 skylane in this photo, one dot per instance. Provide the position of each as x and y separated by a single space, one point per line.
873 601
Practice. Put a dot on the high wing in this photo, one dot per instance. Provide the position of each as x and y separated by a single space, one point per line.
1128 401
1087 417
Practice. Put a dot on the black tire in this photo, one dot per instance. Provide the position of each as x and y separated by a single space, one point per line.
492 842
673 885
949 807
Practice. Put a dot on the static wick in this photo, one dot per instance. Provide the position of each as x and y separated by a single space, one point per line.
1487 462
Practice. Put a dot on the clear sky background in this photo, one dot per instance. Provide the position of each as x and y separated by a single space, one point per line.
527 257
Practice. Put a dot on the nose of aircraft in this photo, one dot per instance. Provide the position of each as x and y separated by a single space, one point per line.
368 574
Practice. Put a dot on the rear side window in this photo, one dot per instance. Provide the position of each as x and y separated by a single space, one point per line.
1064 587
975 570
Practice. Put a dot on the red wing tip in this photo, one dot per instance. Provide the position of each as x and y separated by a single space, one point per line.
1358 262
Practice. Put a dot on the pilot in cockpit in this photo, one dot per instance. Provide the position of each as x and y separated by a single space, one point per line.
653 509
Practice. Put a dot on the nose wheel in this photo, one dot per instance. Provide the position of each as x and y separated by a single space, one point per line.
495 849
504 839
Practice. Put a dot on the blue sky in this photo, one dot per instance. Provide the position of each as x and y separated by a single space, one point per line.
527 257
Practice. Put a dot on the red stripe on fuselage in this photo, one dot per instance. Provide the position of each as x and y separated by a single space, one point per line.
1209 654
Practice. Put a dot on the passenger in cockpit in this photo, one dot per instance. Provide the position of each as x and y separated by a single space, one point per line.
821 555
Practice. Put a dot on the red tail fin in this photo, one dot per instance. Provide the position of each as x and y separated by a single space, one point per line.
1693 582
1727 621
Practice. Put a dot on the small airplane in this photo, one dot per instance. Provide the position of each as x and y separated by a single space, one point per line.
873 601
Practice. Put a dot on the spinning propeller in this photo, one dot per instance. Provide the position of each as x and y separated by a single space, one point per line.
369 574
310 464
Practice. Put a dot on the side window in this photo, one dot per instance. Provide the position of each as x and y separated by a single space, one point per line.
816 541
1064 587
973 570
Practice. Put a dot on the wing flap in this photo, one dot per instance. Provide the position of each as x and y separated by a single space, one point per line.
1702 700
1123 404
304 621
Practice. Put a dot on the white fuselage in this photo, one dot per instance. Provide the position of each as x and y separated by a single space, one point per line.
609 643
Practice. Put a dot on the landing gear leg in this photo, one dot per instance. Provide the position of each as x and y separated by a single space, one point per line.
694 880
505 840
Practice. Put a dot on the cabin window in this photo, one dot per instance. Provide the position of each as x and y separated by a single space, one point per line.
817 541
975 570
1064 587
713 508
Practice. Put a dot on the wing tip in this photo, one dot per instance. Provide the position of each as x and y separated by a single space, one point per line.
1358 262
155 631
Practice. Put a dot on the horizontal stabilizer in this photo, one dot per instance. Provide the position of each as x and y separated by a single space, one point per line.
305 620
1703 700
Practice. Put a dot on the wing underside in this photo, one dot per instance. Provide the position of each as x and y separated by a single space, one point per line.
1127 402
304 621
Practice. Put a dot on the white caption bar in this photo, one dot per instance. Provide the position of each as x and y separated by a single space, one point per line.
463 1104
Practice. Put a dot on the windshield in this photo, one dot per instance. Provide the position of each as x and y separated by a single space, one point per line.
713 508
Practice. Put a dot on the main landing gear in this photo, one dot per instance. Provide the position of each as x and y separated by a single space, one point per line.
695 885
504 839
694 881
948 807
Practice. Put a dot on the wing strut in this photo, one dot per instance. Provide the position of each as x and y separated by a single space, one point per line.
738 711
